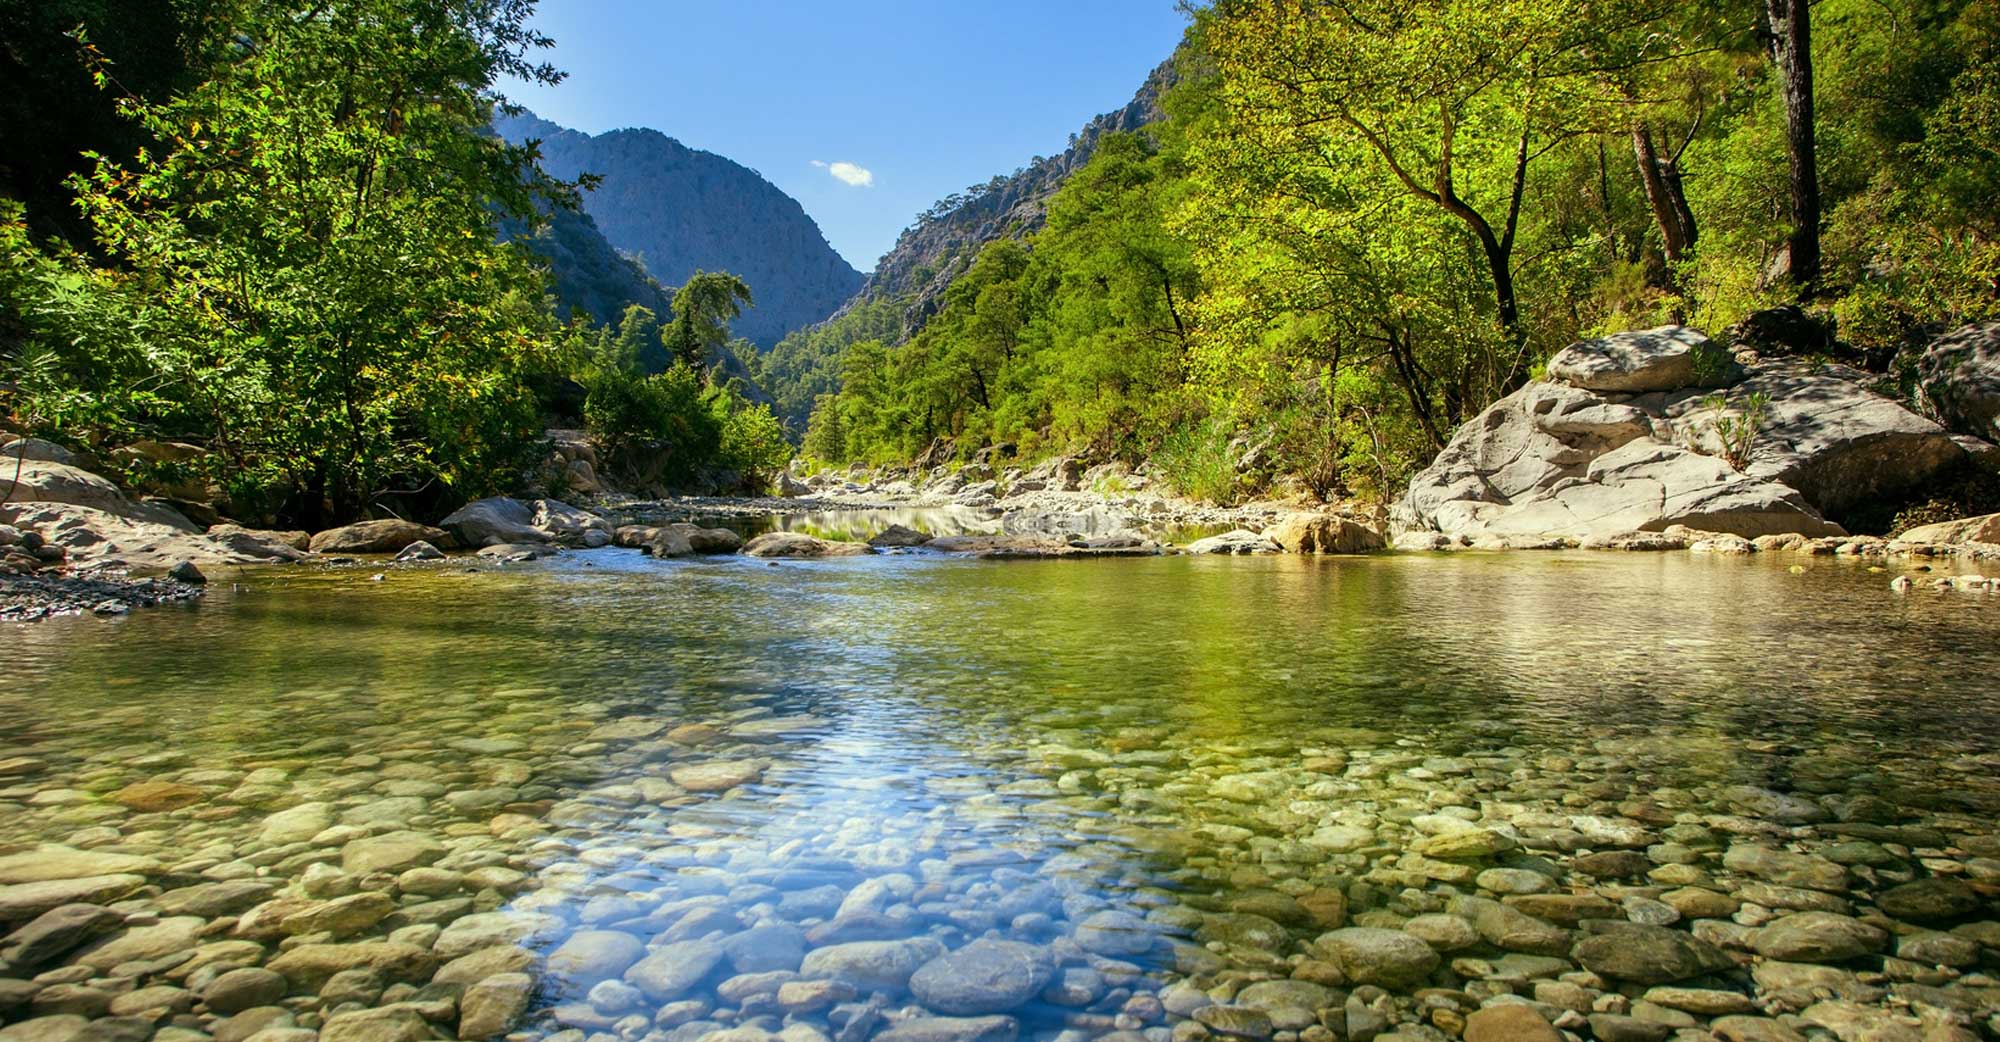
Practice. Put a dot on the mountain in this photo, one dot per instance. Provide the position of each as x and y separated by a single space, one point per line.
678 209
945 239
908 285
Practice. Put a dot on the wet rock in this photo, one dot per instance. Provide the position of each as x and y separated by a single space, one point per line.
871 965
670 970
986 976
245 988
24 901
1648 954
1388 958
297 824
213 900
54 934
308 967
1324 534
594 955
766 948
1786 868
388 1024
716 775
898 535
1753 1029
494 1005
1116 933
493 521
952 1029
55 862
1509 1022
1932 901
798 544
144 943
386 536
340 917
1235 1021
421 550
1854 1022
1819 937
392 852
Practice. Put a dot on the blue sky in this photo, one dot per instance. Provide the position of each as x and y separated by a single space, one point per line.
917 99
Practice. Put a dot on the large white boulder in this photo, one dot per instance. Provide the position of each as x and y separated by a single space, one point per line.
99 526
1662 359
1620 452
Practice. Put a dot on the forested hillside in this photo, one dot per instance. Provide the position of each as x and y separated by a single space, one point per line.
678 210
909 285
1358 225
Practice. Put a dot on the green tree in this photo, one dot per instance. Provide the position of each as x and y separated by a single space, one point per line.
310 251
703 308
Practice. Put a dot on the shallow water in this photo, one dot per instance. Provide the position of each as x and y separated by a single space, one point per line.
1148 770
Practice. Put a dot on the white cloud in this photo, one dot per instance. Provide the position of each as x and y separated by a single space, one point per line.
847 173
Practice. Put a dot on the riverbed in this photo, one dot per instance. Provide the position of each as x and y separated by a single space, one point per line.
929 799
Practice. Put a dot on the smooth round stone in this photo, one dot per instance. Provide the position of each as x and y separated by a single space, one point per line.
1387 958
1514 881
612 997
986 976
1446 933
1509 1022
1938 949
1235 1021
1115 933
1929 901
1292 1004
241 989
869 965
1648 954
594 955
1818 937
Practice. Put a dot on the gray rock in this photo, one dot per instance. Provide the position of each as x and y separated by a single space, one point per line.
588 956
798 544
952 1029
1236 541
898 535
492 521
1663 359
1116 933
1548 461
986 976
1960 375
421 550
387 536
670 970
871 965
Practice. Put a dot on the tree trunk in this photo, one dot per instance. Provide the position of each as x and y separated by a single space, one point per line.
1791 51
1662 179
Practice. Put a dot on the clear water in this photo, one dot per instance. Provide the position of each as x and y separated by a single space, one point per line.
1015 747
